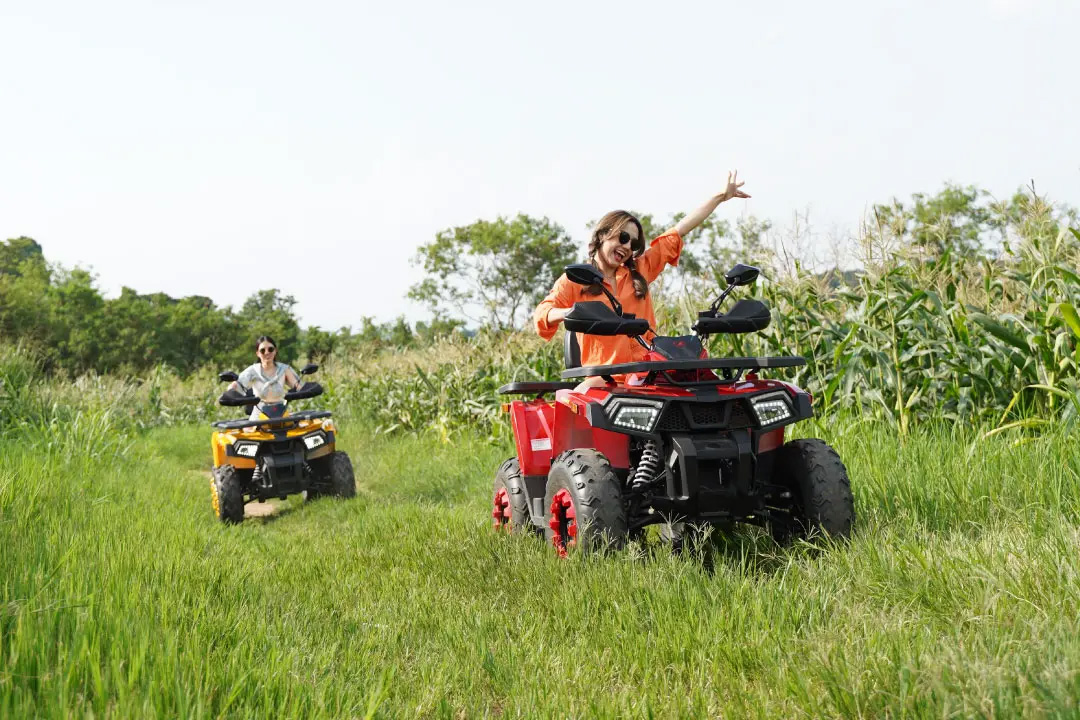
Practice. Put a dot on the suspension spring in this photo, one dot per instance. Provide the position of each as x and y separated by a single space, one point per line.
649 466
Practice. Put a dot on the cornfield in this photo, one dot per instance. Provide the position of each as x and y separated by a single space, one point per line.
991 341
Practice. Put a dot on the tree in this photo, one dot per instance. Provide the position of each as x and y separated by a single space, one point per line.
17 251
400 335
492 272
954 221
268 312
318 344
24 286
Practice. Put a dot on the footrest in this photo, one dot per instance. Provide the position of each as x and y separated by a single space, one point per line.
535 388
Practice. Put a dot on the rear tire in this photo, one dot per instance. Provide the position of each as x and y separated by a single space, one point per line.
342 480
821 499
583 505
226 496
510 502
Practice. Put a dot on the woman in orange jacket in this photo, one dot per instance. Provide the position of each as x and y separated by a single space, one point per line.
618 251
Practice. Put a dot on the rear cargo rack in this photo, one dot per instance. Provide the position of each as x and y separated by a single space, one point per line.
278 423
732 367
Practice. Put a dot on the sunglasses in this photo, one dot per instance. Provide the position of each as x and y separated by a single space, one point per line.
267 350
625 237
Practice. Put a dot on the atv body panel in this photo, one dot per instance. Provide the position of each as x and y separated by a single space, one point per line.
715 454
282 452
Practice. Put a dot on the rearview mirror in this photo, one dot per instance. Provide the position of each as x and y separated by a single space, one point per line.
309 368
584 274
741 274
228 376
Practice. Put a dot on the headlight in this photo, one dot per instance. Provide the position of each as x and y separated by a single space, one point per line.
639 416
246 449
771 408
314 440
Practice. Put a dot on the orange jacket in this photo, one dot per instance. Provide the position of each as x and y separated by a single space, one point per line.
608 350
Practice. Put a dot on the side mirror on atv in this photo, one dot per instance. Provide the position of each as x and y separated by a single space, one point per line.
309 368
228 376
741 274
736 276
584 274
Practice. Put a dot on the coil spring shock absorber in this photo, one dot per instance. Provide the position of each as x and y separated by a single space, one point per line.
647 468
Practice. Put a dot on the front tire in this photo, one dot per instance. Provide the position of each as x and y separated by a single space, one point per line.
821 500
583 504
226 496
342 480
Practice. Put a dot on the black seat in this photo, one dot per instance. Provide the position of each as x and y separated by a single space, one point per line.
571 351
745 316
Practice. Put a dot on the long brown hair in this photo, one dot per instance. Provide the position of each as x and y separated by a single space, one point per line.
612 222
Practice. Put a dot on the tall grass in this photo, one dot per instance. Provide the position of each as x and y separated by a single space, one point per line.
121 596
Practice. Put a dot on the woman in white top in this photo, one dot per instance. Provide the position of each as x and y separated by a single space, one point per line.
268 379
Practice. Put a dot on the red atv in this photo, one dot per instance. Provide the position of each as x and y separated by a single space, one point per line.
683 440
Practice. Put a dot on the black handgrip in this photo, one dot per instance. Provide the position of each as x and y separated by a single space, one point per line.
232 398
307 390
596 318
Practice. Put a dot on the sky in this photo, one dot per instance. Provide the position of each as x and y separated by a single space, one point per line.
218 148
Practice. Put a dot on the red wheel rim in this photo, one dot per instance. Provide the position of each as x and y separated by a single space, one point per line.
563 522
501 511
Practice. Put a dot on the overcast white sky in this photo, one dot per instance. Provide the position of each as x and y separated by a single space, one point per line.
215 148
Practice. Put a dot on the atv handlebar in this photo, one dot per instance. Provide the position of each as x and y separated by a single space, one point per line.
232 398
745 316
595 318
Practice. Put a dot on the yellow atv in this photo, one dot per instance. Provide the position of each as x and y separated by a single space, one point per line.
279 454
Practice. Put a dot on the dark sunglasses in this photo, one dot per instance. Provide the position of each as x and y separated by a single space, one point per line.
269 349
624 237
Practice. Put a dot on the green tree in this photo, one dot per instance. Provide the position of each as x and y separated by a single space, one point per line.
955 221
268 312
14 253
25 280
429 332
75 306
400 335
492 272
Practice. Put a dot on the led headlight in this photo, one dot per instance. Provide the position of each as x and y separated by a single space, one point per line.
640 416
314 440
771 408
246 449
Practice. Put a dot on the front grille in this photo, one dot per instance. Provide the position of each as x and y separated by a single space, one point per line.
711 414
740 418
685 417
284 447
673 420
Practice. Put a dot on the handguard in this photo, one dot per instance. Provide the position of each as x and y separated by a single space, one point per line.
596 318
232 398
745 316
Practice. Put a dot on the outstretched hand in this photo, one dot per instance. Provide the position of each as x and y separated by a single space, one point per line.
732 190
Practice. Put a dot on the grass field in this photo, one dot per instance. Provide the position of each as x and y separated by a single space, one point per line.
121 595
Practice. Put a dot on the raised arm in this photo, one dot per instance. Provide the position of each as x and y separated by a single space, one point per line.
689 223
